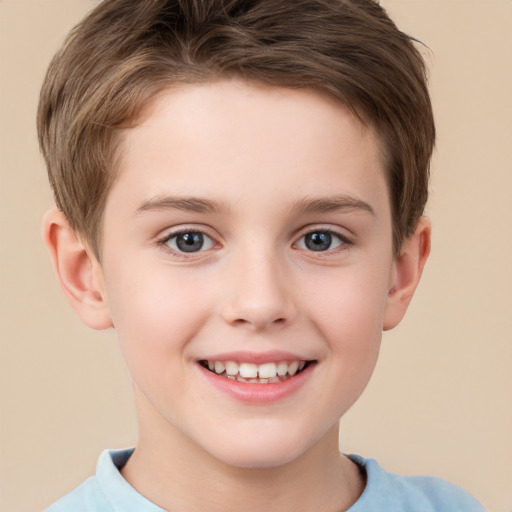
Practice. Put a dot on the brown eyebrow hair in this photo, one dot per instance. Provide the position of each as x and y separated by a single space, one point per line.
203 205
188 204
332 203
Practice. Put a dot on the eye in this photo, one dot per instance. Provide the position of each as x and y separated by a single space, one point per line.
189 241
321 241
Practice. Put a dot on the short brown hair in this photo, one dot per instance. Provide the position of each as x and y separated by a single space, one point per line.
126 51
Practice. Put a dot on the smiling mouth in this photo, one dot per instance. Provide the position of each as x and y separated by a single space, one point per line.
266 373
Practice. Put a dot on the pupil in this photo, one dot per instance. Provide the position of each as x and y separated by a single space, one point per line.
190 242
319 241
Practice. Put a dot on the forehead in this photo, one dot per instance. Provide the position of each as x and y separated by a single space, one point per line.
235 139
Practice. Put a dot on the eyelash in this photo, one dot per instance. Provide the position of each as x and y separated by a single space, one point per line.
344 242
164 242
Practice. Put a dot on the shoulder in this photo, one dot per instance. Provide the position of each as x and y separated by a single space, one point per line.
107 491
397 493
86 497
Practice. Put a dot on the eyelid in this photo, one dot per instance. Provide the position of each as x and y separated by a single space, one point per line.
346 240
162 241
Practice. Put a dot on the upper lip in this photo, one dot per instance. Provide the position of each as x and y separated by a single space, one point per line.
255 357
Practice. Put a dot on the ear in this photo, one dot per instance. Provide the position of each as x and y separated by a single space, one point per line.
406 273
78 271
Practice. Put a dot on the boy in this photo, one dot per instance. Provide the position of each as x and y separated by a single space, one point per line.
240 188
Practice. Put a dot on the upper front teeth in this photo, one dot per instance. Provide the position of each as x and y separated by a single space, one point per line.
253 371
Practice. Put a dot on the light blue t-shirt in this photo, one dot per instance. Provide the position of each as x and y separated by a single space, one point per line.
108 491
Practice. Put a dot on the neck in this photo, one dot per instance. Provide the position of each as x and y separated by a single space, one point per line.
178 475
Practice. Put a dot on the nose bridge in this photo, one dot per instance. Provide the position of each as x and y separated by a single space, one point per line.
259 293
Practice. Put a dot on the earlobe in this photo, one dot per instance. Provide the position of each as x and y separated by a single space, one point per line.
406 273
77 270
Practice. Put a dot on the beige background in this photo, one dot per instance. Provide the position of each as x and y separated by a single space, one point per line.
440 401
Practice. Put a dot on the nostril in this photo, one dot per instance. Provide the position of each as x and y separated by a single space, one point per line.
240 321
257 314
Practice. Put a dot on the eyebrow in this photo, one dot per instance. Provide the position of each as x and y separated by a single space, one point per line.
332 204
187 204
202 205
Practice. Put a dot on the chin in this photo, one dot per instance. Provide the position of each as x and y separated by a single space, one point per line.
266 450
258 459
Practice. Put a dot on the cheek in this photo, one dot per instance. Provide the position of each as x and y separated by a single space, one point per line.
348 312
349 304
155 317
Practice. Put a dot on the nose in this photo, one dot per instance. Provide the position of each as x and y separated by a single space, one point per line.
260 295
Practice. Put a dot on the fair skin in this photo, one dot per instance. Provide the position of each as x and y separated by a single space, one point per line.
248 224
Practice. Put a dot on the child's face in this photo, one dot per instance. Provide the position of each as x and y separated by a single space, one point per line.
248 224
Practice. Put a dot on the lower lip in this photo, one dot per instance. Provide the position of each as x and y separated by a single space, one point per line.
258 393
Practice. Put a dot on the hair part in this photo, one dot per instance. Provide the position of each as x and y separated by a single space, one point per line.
126 51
